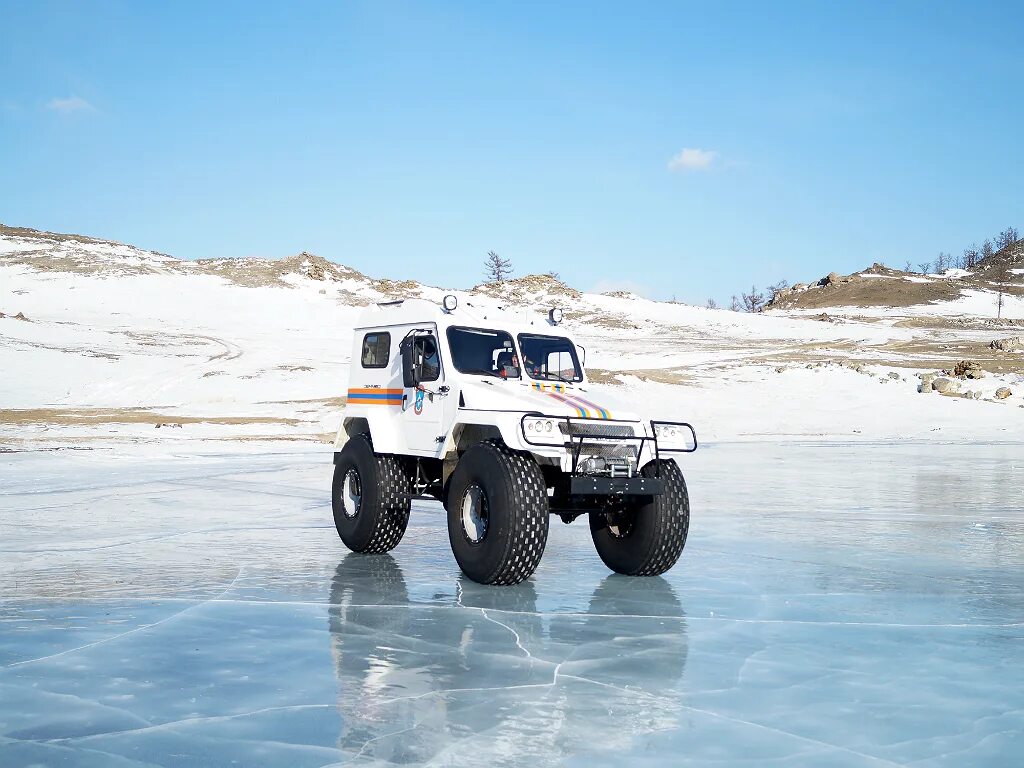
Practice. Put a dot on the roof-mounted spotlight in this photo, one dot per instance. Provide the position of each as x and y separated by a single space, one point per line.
555 315
449 303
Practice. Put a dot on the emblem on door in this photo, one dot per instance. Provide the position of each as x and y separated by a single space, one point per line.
418 407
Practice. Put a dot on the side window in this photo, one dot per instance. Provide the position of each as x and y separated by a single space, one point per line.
376 350
427 358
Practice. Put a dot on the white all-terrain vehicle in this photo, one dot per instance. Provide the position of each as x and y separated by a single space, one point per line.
491 415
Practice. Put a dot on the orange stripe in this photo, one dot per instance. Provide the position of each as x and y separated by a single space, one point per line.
374 391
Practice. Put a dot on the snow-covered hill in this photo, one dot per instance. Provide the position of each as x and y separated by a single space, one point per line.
879 290
101 341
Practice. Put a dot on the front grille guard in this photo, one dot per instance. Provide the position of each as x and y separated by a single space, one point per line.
574 442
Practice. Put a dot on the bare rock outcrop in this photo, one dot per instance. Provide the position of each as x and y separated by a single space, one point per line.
1011 344
968 369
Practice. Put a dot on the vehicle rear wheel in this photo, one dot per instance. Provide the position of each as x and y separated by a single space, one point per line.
370 497
646 538
497 514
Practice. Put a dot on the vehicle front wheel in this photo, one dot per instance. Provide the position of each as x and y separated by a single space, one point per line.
370 497
647 537
497 507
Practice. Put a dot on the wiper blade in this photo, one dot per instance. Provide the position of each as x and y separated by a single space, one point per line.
559 377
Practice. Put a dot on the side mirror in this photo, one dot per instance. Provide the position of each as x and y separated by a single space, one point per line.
583 355
410 377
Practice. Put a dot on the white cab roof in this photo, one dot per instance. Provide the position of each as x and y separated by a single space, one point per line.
415 311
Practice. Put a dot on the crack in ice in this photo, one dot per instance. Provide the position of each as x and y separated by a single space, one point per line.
515 634
741 721
552 614
130 631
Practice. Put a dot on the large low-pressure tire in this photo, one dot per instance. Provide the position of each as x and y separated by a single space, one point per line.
370 496
497 514
646 538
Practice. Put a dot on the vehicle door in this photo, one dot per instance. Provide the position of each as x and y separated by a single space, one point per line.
425 393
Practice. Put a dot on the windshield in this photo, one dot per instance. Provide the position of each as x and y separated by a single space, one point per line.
550 358
478 350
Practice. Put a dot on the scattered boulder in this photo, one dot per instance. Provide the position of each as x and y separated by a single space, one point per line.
893 375
1003 392
943 386
968 369
1011 344
21 316
779 369
316 271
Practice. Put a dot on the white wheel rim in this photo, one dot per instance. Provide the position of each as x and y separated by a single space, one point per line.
474 514
351 493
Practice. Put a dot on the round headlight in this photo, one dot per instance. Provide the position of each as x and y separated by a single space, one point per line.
449 303
548 426
555 315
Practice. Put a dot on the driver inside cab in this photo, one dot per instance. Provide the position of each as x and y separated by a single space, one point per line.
507 364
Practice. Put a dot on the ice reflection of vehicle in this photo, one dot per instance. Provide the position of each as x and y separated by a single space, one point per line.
440 675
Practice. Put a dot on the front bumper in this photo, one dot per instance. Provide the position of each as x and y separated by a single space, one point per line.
573 434
584 485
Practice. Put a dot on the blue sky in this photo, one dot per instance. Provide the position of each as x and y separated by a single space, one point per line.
685 149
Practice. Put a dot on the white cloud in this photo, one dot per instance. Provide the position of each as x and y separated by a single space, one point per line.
70 105
692 159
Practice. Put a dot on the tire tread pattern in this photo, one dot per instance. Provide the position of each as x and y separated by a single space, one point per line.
391 513
659 528
395 504
672 519
523 486
529 494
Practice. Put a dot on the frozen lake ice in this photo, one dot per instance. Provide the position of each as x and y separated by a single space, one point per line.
836 605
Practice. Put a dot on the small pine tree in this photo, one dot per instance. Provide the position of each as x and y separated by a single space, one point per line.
1003 277
496 269
735 305
712 304
753 301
